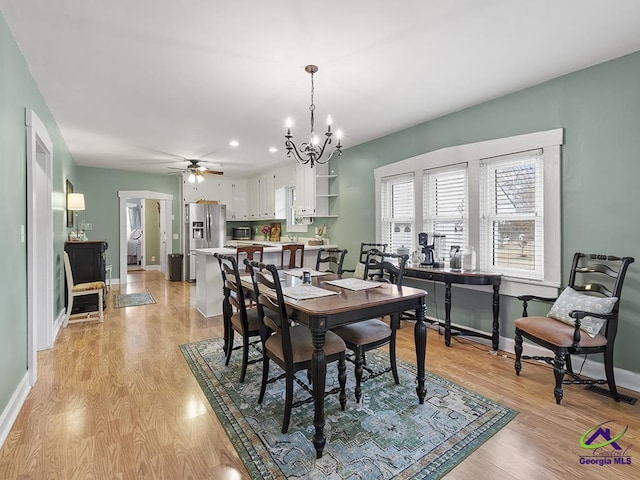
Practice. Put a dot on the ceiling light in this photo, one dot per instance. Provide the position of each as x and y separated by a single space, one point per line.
273 149
192 178
312 151
200 178
234 143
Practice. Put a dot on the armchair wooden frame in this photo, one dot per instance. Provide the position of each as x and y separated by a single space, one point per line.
362 337
237 316
334 257
289 346
292 250
600 275
80 289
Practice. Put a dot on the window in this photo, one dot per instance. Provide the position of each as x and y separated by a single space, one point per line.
512 215
398 208
444 196
500 196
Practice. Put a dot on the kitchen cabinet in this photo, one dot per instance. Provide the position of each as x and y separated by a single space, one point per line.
88 264
239 202
312 191
305 191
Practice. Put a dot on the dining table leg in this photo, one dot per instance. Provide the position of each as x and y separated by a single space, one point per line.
420 336
319 374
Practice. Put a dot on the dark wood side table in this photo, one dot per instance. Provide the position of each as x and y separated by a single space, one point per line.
449 277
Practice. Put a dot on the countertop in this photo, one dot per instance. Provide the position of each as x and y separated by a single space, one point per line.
269 247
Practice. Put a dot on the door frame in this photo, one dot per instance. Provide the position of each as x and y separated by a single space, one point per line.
40 318
166 233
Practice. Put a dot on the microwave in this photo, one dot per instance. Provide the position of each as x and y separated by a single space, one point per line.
241 233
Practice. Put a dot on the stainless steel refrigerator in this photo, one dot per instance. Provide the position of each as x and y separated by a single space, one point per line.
205 226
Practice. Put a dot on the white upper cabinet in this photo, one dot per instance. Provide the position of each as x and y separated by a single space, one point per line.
312 191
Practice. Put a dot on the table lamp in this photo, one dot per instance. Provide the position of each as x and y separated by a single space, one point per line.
75 202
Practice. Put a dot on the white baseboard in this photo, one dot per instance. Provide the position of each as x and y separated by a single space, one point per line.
10 413
591 368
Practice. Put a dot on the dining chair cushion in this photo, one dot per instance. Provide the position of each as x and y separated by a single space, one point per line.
557 332
252 320
570 300
81 287
365 332
302 345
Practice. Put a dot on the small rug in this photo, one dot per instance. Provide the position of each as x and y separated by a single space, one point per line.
133 299
388 435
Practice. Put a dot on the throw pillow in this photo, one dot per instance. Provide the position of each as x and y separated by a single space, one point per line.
570 300
359 271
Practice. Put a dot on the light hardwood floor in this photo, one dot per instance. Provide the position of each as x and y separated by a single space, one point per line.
118 401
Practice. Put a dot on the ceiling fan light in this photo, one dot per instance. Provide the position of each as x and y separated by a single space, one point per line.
200 178
192 178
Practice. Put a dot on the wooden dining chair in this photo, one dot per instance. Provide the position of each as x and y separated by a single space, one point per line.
365 248
237 316
583 320
80 289
333 257
291 252
289 345
249 251
367 335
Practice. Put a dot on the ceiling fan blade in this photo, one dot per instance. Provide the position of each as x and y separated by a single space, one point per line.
213 172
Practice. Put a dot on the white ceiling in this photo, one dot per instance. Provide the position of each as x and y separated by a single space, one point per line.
137 85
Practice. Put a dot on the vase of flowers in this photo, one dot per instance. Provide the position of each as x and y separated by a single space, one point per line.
265 231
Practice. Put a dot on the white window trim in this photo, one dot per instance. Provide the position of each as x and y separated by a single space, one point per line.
549 141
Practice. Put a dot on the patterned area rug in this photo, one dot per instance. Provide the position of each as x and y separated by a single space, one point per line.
133 299
389 435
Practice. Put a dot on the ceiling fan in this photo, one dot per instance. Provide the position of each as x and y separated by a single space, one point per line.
196 171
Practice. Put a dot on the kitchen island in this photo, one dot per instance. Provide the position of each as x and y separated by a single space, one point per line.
209 280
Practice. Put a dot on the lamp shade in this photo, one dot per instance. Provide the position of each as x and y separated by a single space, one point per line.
75 201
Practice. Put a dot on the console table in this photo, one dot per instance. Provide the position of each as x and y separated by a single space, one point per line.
449 277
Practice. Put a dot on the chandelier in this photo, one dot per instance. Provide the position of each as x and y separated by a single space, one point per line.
312 151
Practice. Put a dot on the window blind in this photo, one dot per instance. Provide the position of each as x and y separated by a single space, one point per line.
512 216
397 197
444 198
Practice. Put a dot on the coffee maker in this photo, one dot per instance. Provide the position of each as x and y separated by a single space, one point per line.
431 251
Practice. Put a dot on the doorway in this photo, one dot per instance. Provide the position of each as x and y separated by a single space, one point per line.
135 234
40 318
164 204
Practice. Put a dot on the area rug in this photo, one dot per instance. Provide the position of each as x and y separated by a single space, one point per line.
388 435
133 299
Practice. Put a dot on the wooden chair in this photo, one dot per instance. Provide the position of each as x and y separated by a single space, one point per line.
80 289
367 335
334 257
358 272
249 251
583 320
292 251
237 316
289 346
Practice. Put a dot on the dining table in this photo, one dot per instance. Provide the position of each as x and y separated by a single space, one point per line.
347 300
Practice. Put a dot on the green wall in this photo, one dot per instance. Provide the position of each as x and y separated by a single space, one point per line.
599 109
101 186
17 92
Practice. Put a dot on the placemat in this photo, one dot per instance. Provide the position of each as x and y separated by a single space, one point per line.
305 292
297 272
353 283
